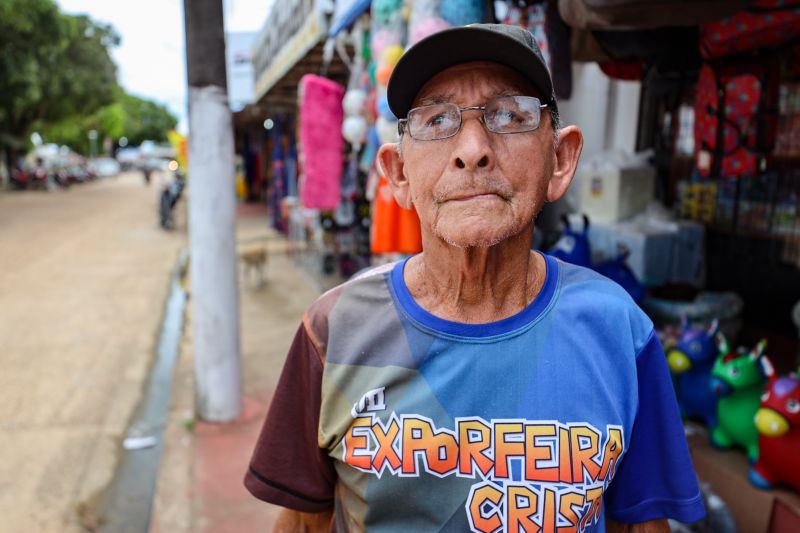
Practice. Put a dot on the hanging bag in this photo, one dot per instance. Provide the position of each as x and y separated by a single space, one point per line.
766 24
735 116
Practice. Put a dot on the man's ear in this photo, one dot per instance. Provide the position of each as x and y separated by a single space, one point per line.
392 168
568 150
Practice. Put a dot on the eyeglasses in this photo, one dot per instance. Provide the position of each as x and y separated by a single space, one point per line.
505 114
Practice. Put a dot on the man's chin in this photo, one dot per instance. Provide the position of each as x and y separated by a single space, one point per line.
474 237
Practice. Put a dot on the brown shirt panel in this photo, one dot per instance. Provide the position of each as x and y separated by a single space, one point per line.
288 467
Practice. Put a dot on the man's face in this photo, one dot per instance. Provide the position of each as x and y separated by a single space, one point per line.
478 188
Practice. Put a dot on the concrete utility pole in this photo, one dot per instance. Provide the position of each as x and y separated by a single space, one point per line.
215 296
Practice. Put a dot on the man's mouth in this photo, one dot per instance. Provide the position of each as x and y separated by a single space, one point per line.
473 196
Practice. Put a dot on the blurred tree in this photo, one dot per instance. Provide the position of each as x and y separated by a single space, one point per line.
134 118
52 66
146 120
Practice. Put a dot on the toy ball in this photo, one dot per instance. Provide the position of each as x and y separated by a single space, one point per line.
462 12
354 129
427 27
392 54
355 102
387 130
383 108
383 10
383 74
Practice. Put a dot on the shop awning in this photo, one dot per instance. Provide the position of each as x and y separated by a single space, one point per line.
346 13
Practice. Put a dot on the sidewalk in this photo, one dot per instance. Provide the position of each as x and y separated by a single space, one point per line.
200 482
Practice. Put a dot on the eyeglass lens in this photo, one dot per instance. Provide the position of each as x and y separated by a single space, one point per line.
507 114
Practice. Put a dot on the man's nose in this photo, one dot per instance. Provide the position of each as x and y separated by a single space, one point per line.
473 148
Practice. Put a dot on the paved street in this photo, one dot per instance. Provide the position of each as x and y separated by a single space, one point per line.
83 278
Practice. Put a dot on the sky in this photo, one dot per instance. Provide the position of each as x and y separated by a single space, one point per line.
150 58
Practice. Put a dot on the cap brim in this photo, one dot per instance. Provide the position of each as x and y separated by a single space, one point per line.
458 45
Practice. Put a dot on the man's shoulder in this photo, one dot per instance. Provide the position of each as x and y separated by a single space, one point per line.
601 299
355 297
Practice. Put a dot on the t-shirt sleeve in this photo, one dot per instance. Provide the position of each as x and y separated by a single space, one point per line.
655 478
288 467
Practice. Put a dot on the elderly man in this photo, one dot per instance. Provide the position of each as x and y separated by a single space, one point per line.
477 386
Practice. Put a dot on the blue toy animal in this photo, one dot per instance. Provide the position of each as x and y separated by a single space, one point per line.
690 362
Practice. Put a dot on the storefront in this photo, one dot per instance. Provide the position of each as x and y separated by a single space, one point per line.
690 179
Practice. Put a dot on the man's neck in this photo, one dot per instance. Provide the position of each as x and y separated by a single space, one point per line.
476 285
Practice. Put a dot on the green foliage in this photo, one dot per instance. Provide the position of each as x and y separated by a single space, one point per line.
52 66
57 77
146 120
128 116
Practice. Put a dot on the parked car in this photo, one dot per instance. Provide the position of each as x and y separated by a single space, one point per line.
104 167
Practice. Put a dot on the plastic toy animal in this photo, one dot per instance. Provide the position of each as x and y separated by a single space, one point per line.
738 379
690 361
778 422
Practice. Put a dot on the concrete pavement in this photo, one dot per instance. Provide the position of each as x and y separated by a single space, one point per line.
83 278
200 486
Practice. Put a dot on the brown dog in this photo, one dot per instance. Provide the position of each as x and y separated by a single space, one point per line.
254 259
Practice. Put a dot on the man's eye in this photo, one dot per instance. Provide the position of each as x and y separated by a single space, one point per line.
436 120
507 116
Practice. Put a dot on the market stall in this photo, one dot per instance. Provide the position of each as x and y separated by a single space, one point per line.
688 194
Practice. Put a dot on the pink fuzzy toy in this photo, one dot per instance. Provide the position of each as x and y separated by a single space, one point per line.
321 118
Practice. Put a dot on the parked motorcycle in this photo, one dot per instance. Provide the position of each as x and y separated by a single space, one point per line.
169 197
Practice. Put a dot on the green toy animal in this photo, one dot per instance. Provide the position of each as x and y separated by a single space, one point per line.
738 378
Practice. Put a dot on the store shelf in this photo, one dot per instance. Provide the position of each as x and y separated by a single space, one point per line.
755 510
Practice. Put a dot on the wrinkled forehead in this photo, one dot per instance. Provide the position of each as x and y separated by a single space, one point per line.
467 82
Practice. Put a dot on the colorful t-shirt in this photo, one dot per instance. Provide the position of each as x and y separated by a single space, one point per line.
549 420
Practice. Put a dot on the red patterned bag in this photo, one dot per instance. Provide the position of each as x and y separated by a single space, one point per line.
734 117
766 24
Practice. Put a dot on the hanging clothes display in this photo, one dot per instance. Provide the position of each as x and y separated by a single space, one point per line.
321 117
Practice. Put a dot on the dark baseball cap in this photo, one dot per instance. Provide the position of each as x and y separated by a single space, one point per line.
508 45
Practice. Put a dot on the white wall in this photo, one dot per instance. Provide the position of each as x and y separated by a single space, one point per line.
606 110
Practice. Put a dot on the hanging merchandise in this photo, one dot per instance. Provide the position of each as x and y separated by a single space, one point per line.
354 130
387 130
279 222
733 122
409 238
320 124
765 24
394 229
384 220
388 26
632 14
463 12
425 20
